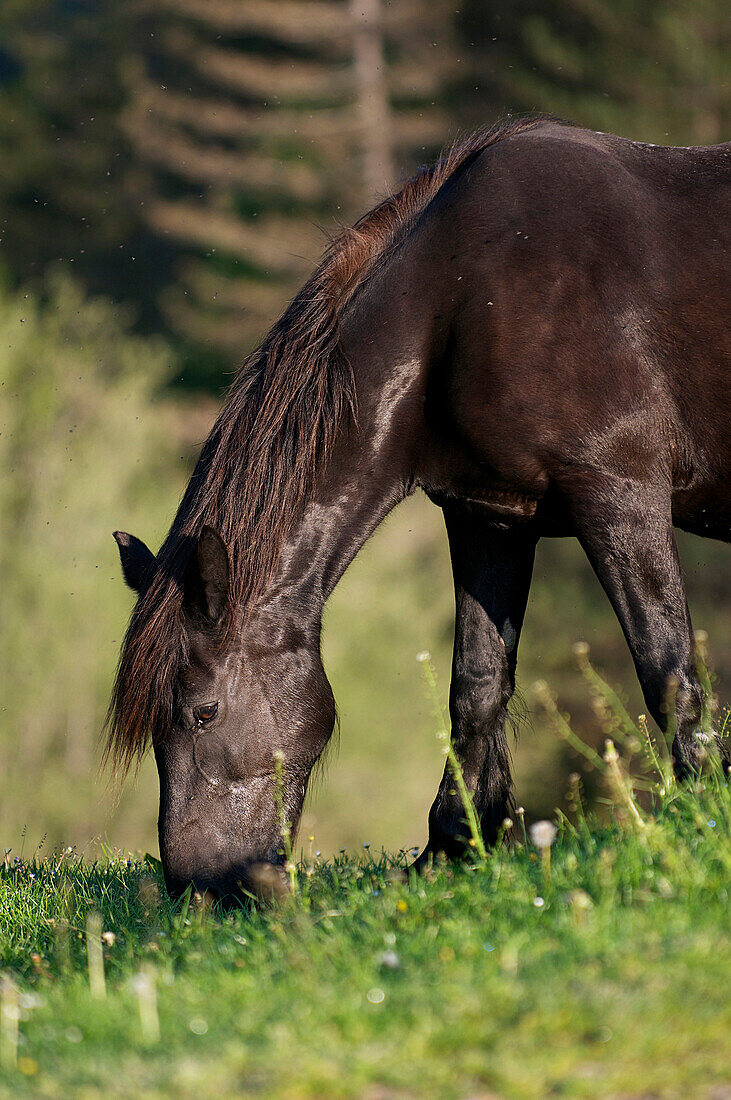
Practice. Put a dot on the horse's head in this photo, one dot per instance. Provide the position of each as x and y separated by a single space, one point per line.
242 722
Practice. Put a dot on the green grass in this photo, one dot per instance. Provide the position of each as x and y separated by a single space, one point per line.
601 971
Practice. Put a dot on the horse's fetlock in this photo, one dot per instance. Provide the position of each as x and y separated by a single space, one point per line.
691 750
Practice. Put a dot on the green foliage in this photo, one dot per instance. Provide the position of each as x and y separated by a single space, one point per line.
657 70
85 449
62 196
597 972
251 128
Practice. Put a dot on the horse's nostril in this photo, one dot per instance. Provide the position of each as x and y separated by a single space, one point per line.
261 880
266 881
203 892
206 898
174 886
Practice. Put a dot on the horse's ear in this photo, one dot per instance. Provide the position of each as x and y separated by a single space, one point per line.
137 561
206 585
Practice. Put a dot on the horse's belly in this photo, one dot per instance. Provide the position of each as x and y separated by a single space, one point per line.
704 510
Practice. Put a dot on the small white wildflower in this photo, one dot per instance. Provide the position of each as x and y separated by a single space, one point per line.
581 900
109 938
538 902
389 959
376 996
543 833
140 983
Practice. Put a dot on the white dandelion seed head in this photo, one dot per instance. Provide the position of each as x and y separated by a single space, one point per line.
543 833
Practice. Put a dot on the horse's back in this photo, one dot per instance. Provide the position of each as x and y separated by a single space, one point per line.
590 281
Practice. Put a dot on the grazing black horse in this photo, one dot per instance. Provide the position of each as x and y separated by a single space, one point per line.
535 332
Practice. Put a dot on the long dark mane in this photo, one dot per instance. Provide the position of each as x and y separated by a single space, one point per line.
272 439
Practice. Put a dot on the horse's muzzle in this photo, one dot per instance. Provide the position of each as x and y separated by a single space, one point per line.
257 881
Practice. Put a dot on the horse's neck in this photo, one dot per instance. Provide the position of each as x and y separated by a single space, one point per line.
373 465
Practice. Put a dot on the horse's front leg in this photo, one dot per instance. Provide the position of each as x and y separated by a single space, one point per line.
492 573
626 529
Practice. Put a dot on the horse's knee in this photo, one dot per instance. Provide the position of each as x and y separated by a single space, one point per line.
478 705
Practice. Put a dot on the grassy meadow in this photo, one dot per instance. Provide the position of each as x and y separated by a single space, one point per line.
590 963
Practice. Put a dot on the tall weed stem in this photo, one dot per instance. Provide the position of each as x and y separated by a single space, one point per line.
453 762
284 825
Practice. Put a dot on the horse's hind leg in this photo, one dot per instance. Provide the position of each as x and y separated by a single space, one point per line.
492 574
625 527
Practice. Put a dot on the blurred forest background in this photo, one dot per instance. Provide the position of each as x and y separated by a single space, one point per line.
168 172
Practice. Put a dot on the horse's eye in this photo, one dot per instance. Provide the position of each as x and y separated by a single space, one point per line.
205 714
